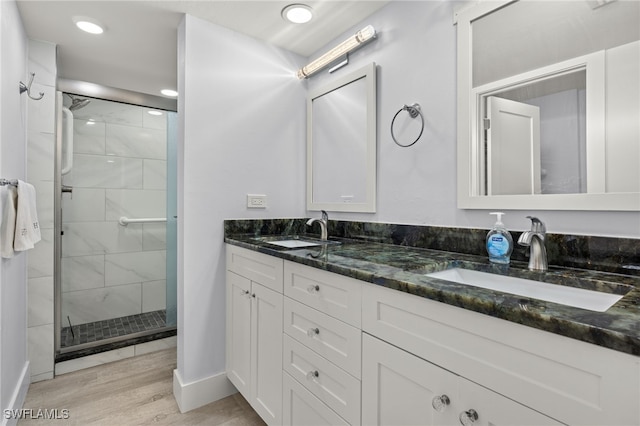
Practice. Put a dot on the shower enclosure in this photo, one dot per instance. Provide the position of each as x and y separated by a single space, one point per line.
115 249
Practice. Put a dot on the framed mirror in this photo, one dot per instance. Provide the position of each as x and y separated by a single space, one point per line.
341 144
548 105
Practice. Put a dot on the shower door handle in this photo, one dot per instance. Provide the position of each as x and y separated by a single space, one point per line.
67 140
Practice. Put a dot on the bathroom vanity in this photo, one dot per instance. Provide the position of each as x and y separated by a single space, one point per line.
359 333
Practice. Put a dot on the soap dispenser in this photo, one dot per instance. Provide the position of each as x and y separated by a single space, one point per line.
499 242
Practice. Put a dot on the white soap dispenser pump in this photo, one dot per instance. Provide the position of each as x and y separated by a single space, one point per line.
499 242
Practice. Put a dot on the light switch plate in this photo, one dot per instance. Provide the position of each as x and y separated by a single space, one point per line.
256 201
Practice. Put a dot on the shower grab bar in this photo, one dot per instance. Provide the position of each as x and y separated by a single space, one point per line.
68 140
124 221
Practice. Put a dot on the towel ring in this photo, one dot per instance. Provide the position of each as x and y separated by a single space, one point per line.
414 111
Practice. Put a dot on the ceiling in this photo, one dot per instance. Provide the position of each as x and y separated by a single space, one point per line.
138 50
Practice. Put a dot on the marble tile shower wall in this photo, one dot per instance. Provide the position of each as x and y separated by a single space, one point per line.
119 169
40 170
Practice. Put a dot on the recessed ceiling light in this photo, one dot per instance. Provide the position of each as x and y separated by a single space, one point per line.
297 13
169 92
154 112
88 25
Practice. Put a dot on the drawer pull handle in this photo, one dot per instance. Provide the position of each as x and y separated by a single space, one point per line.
312 375
313 288
440 402
469 417
313 332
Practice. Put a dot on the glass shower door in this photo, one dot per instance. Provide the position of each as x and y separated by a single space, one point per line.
114 239
172 219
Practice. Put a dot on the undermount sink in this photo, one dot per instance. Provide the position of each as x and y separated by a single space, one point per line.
564 295
294 243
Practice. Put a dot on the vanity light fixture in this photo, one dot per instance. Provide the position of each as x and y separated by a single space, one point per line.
297 13
88 25
341 51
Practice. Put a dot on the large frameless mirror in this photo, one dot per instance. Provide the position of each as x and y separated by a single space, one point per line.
341 144
548 105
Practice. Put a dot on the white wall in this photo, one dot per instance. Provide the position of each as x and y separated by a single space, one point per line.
562 141
415 53
14 367
242 131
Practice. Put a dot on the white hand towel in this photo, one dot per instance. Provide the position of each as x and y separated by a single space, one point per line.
8 199
27 225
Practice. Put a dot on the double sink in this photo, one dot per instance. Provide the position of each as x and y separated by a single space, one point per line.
593 300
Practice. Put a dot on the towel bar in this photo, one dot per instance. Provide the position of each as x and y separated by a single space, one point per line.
124 221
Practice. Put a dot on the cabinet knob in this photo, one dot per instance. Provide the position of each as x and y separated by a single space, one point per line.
244 292
313 332
312 375
469 417
313 288
440 402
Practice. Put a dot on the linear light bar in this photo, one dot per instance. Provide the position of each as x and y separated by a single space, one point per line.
357 40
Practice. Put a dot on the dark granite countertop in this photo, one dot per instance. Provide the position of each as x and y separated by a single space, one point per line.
403 268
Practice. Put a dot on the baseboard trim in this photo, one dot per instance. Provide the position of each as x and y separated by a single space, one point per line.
190 396
18 397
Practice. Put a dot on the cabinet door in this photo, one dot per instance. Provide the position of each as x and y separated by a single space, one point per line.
398 388
266 362
238 351
302 408
494 409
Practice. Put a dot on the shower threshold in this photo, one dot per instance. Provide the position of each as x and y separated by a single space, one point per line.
101 336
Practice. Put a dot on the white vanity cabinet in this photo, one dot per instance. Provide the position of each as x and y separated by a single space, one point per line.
400 389
254 330
310 347
322 347
507 372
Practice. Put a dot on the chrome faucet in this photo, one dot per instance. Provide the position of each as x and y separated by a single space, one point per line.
324 223
535 240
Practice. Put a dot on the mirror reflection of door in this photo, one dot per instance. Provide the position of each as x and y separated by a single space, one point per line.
513 147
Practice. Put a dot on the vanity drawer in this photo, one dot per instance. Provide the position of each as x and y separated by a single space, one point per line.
301 407
333 339
331 293
336 388
258 267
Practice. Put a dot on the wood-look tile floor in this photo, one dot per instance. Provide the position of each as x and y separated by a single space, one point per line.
134 391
